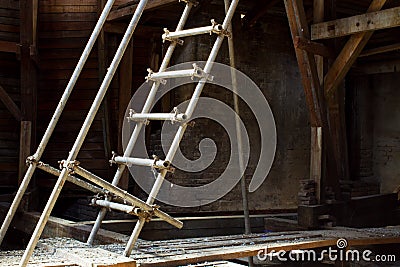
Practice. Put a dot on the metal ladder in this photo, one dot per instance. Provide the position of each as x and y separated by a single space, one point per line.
141 118
144 210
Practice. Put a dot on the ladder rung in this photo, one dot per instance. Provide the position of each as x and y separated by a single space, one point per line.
174 117
115 206
161 76
155 163
174 36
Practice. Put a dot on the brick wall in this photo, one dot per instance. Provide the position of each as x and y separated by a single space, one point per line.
264 53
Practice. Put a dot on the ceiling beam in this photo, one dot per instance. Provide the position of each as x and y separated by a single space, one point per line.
378 20
380 50
128 10
349 54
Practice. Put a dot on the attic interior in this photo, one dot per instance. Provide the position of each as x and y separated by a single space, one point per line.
314 167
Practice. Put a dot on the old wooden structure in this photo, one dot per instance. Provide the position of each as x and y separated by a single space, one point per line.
335 135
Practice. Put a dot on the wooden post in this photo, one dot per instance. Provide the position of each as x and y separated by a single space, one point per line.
24 148
316 132
28 49
312 87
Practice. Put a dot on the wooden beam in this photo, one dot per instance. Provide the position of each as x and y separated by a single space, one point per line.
380 50
10 104
126 11
349 54
24 147
316 159
311 83
378 20
313 47
28 48
306 61
8 47
316 152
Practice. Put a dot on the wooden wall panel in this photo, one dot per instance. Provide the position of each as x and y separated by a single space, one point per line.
9 80
64 28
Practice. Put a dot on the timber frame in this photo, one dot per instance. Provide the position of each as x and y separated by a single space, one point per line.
323 83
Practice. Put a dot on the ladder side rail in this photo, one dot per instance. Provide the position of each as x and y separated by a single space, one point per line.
181 130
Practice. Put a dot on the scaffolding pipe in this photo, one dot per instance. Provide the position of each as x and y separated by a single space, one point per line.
83 132
157 116
125 195
181 130
49 169
217 28
197 72
160 164
246 212
54 120
138 127
114 206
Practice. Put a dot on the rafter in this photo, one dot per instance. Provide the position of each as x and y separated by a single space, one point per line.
129 9
349 54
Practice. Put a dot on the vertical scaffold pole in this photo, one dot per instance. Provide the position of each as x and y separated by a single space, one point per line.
245 202
83 132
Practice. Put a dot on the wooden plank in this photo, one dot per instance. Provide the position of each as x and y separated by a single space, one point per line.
67 9
10 47
348 55
10 104
379 50
313 47
24 148
68 3
372 21
9 28
129 10
9 4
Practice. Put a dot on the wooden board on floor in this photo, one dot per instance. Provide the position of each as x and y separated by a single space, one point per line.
197 250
